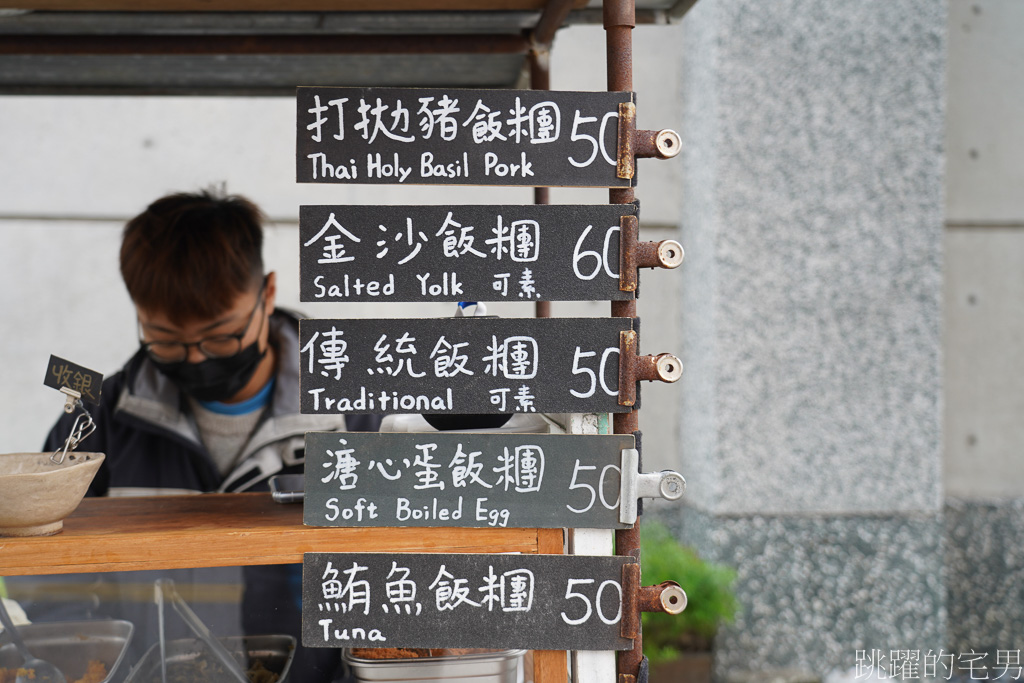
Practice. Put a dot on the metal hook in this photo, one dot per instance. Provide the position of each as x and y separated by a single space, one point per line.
79 430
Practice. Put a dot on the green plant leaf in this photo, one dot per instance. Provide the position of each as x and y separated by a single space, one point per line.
710 598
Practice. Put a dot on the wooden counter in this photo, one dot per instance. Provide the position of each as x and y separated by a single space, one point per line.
219 530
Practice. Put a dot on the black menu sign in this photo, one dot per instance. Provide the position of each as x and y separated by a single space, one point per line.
461 253
461 365
62 373
458 137
544 602
463 479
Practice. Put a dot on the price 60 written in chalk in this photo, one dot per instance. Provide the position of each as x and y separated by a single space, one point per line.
468 253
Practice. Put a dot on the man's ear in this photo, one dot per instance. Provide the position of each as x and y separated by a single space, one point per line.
270 292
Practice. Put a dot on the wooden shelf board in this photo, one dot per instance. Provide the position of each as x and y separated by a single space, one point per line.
278 6
217 530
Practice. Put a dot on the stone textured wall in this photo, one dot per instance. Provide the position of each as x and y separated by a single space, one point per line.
984 558
812 219
811 322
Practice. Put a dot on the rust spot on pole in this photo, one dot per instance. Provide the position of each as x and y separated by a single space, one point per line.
629 626
627 126
627 368
634 254
634 368
629 231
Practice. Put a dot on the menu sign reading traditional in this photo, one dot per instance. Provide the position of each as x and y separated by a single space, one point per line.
458 137
544 602
461 365
467 253
465 480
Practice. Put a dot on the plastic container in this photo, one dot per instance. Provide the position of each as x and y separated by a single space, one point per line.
500 666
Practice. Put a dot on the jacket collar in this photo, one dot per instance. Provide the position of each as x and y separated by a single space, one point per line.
151 397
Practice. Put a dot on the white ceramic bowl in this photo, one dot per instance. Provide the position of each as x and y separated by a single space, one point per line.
36 494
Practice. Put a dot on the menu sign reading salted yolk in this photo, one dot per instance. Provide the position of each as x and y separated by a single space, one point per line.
461 253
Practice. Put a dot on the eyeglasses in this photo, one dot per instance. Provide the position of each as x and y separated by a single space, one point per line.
217 346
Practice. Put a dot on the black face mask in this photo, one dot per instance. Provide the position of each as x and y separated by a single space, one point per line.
215 379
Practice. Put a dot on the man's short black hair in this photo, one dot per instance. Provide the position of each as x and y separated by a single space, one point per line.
190 255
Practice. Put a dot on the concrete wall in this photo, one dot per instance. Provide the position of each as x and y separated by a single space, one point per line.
984 330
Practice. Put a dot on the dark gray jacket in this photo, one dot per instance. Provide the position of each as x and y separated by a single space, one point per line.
152 444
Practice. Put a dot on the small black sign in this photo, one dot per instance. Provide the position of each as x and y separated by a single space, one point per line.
547 602
466 480
458 137
62 373
461 365
461 253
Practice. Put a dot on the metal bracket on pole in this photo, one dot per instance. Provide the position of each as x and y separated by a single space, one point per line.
634 368
634 254
634 485
642 144
629 626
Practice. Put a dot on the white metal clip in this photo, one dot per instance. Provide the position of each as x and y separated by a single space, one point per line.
635 485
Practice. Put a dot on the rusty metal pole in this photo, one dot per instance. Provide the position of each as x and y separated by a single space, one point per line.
541 38
540 79
619 20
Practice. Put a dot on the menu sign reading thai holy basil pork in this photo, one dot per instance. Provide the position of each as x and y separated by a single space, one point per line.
454 600
458 137
467 480
461 365
468 253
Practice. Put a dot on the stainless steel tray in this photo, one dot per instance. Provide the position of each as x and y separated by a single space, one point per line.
71 645
485 667
274 651
288 488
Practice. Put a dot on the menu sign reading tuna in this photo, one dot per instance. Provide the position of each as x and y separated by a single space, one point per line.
453 600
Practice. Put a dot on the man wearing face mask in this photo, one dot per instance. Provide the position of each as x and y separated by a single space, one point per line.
210 402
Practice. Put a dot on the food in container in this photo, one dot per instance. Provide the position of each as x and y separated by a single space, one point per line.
87 651
265 659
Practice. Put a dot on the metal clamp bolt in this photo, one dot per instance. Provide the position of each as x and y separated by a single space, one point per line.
634 254
634 485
